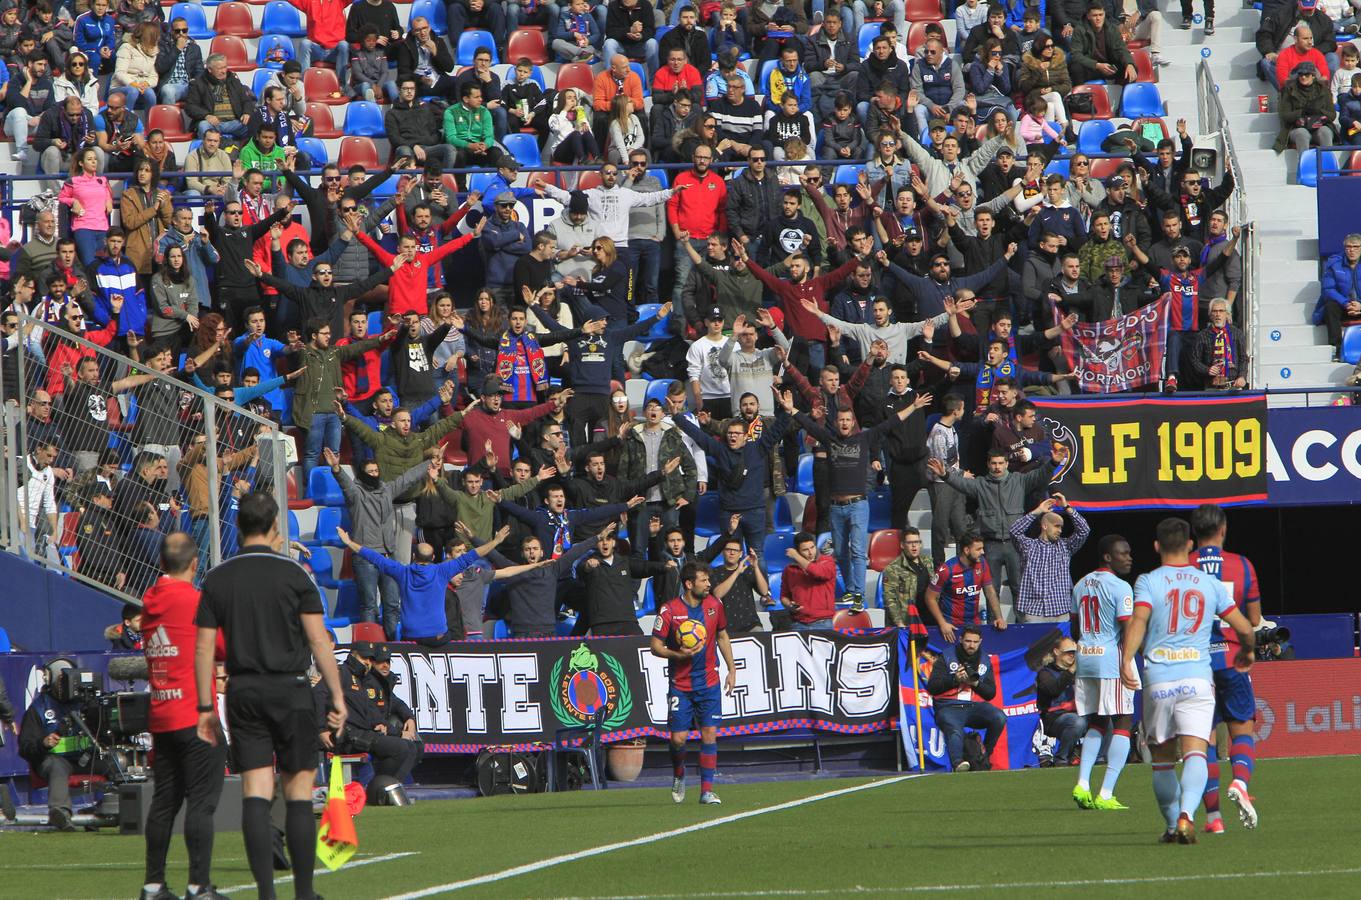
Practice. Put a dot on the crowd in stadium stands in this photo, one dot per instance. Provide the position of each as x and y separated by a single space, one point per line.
858 332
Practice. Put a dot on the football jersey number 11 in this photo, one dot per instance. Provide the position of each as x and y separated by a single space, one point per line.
1090 607
1189 606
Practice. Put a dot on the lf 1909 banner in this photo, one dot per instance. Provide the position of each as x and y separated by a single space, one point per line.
1140 452
511 693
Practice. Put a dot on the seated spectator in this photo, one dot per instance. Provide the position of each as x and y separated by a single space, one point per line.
1274 32
131 13
469 129
179 61
484 15
625 130
775 25
832 62
1097 51
1044 75
578 37
96 36
369 72
64 131
789 77
788 123
740 124
77 81
680 115
631 29
570 139
325 40
424 54
218 100
208 156
56 35
1058 708
1339 303
414 127
482 75
938 83
120 135
676 79
619 78
135 74
522 97
989 80
28 96
1306 110
727 33
993 27
382 15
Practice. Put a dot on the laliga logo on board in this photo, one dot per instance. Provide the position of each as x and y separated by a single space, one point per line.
587 685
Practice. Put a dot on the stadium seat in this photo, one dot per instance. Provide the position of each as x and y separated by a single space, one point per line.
1146 126
641 71
478 181
1351 345
347 605
784 516
1353 164
469 41
367 631
525 148
803 479
661 175
315 148
575 75
707 514
193 16
295 498
234 18
232 47
294 529
1315 163
657 388
868 32
328 519
1101 103
847 175
528 45
357 151
884 546
365 119
5 647
763 76
434 12
168 118
916 36
1093 132
660 330
323 126
259 80
1106 167
1141 100
323 488
922 10
282 18
323 569
588 180
321 86
773 580
878 601
776 545
1143 63
268 45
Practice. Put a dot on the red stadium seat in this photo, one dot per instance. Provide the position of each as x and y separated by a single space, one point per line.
323 124
321 86
1106 167
232 47
851 621
167 117
234 18
367 631
529 44
294 500
922 11
1353 166
1143 63
916 36
1101 102
576 75
588 180
357 151
884 547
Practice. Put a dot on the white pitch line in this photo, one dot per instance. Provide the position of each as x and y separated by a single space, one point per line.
238 888
1008 885
640 841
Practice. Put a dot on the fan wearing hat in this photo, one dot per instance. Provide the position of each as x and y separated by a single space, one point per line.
1278 38
1121 290
1306 110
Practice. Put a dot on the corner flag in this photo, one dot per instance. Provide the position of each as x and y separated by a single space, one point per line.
336 838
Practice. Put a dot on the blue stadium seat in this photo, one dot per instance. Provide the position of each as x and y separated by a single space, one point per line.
868 32
1059 166
375 323
662 176
328 518
5 646
1314 163
347 605
784 516
283 18
478 181
1139 100
294 529
315 149
707 514
259 79
268 43
649 604
766 68
881 510
524 147
433 12
323 569
776 545
1093 132
803 480
469 41
192 14
641 71
323 488
660 330
365 119
847 174
500 631
878 601
386 188
657 389
1351 345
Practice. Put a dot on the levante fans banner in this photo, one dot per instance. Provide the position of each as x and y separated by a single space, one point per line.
1159 452
1119 354
1022 742
518 693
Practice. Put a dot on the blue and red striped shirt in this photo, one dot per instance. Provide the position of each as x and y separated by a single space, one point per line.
1185 290
960 590
701 670
1239 576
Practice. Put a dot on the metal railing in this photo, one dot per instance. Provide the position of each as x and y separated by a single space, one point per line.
1211 119
104 455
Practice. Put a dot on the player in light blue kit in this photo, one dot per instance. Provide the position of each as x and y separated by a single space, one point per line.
1175 607
1103 602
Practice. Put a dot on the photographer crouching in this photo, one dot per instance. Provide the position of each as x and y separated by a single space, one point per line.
186 768
55 743
367 727
1054 694
961 691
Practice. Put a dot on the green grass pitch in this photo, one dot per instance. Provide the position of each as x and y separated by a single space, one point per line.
1016 833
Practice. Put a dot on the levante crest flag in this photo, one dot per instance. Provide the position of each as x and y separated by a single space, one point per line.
336 838
1119 354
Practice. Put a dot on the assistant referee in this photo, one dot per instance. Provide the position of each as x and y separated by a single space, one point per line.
272 616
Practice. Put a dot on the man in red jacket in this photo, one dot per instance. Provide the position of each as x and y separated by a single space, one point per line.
808 586
409 286
697 208
325 41
489 421
185 767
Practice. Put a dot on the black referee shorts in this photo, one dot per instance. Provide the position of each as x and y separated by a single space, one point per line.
272 719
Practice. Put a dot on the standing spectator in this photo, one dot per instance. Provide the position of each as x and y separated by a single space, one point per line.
739 581
237 288
145 212
798 287
179 62
611 586
325 40
947 504
1046 581
504 240
648 447
647 228
1219 355
961 692
218 100
754 198
905 581
808 585
709 383
962 582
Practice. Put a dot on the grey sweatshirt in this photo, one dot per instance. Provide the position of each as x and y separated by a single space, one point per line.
895 334
646 223
371 512
1000 500
750 373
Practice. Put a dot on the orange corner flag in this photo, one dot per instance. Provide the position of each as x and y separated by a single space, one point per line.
336 838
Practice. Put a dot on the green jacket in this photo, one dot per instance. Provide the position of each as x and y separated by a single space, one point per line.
633 463
1298 104
315 390
475 511
1082 54
464 126
900 593
252 157
396 453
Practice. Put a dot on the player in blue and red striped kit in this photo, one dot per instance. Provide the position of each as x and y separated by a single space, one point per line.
1235 703
695 694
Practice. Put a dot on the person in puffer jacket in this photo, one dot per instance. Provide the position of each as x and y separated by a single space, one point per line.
504 240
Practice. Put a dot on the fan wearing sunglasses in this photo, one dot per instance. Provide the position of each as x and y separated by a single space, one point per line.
178 64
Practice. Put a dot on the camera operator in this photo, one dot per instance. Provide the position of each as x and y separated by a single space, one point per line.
366 727
272 615
185 767
1054 694
961 690
56 747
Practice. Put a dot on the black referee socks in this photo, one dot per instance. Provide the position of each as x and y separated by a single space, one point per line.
255 831
300 830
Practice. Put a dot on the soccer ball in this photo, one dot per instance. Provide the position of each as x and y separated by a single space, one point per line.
692 634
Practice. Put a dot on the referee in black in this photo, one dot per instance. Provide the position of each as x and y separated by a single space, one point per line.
272 617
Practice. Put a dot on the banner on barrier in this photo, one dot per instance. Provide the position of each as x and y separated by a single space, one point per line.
1121 354
1314 456
481 694
1308 707
1160 452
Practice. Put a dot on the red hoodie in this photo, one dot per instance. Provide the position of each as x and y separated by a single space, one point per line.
813 589
408 289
